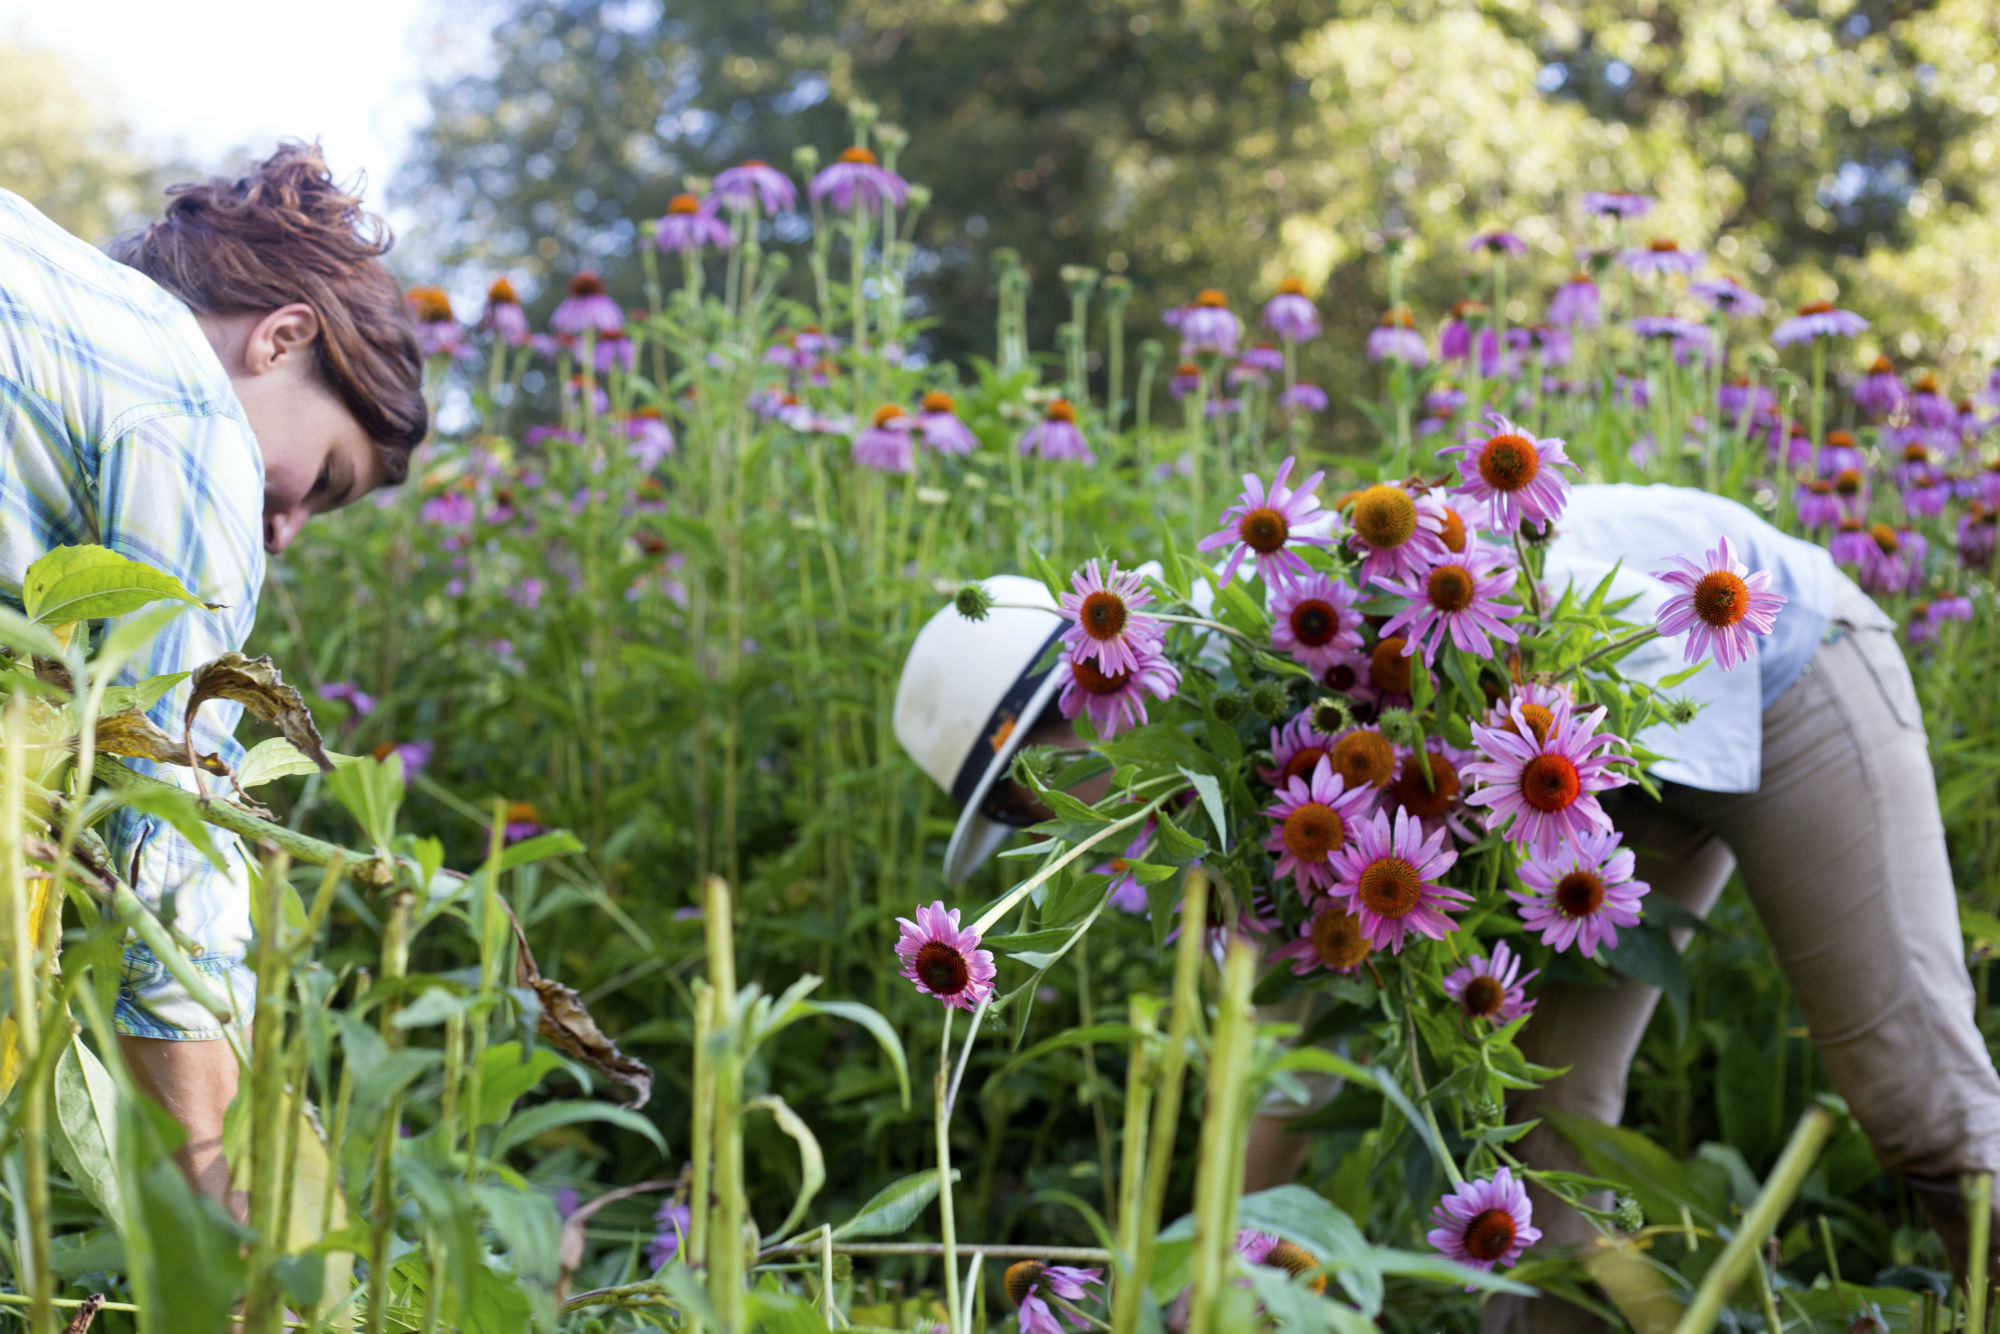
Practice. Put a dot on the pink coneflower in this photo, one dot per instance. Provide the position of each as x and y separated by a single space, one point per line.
1264 521
670 1228
415 755
651 440
1515 474
1739 399
857 178
1541 785
587 307
944 961
1818 319
1879 393
1728 296
1116 701
1720 606
1818 506
1494 989
1396 339
1661 255
942 429
1056 435
503 317
614 351
1260 357
1206 326
351 694
1026 1283
1950 607
756 182
689 226
1485 1224
1313 619
1106 625
1670 326
1498 242
1551 344
1124 890
1436 801
1184 381
1305 397
1851 541
1310 821
1458 598
1616 204
1394 532
1297 747
1455 340
886 445
438 334
1977 531
1291 313
452 509
1894 560
1576 304
1928 404
1330 939
1581 894
520 822
1387 874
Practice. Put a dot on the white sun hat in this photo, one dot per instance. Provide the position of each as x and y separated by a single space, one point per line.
969 694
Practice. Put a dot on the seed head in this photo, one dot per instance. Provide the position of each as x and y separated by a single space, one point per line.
973 601
1332 715
1400 726
1037 763
1268 699
1681 710
1229 706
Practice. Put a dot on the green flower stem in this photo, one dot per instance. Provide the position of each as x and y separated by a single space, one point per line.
262 1301
1633 640
32 1119
382 1209
1145 1228
1817 409
1979 1220
1138 1102
1026 887
1793 1165
1219 1170
1194 409
947 1222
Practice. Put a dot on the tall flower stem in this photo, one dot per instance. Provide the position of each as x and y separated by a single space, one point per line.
1793 1165
1195 408
382 1208
1817 412
1139 1070
262 1306
725 1241
1220 1157
947 1223
1166 1100
32 1118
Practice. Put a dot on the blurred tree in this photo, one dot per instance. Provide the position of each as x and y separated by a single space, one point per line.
1849 147
61 154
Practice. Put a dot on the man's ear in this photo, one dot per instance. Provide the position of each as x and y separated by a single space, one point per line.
282 340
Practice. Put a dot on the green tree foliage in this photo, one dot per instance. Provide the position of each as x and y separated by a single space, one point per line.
1226 144
60 152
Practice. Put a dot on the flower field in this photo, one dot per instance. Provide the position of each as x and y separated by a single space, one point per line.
609 974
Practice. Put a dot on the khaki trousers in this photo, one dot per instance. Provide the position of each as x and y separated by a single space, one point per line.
1843 853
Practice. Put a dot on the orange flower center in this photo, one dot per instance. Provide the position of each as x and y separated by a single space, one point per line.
1095 682
1337 939
1390 669
1848 481
1391 887
1427 800
683 204
1102 615
942 968
1364 757
1302 764
1914 452
586 284
1886 539
1450 587
1211 297
1296 1260
1312 831
1550 783
1540 720
520 812
1461 309
1660 245
502 292
1926 383
887 413
1187 370
1721 598
1264 530
938 401
1839 440
1314 622
1292 287
1580 893
858 154
1020 1280
1816 308
1509 462
1454 532
1482 995
1399 317
1061 411
1489 1235
1819 486
1882 366
1384 516
430 305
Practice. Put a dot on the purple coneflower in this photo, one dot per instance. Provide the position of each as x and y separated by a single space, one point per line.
1106 625
1661 255
1581 893
690 226
1728 296
1929 406
1116 701
1291 313
651 439
451 509
758 182
1297 747
1435 800
415 755
1893 561
1540 783
1260 357
1738 398
1879 393
1576 304
587 307
1721 605
1394 532
1331 939
1497 242
856 178
1305 397
438 334
1545 340
503 317
1841 455
1616 204
1313 619
1206 326
1396 339
1387 875
1124 890
1977 530
350 694
944 961
1026 1283
885 445
1056 435
1851 542
1670 326
1515 474
1262 523
1818 319
1311 820
1455 340
1818 506
520 821
942 429
1184 381
614 351
1457 599
1491 989
1950 607
670 1229
1485 1224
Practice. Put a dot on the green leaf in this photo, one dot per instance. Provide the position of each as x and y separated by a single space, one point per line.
276 758
89 583
1211 801
86 1126
1648 954
371 790
1075 1037
526 1223
894 1209
555 843
856 1012
504 1076
179 809
812 1162
25 637
548 1116
1662 1183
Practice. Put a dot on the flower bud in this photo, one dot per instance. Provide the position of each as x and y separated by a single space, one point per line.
1680 710
1628 1214
1268 699
1399 726
973 601
805 158
1228 706
1332 715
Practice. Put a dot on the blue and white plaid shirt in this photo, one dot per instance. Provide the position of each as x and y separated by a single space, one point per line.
118 426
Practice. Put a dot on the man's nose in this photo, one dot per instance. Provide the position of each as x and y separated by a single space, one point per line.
281 527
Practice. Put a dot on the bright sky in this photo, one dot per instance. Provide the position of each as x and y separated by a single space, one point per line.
213 79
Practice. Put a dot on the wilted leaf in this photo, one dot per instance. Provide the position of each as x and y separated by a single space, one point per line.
87 1312
52 672
567 1024
130 732
89 583
257 685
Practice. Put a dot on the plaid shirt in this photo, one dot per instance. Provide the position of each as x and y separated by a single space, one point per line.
118 426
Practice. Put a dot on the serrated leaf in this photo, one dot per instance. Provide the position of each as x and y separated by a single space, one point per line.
89 583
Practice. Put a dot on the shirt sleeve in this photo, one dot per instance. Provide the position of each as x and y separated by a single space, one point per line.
184 493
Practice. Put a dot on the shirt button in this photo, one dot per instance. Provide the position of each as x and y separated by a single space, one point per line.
125 993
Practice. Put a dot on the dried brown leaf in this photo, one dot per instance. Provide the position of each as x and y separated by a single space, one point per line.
85 1313
83 867
567 1025
258 686
53 673
131 732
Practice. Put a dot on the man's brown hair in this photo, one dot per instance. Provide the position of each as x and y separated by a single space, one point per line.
283 232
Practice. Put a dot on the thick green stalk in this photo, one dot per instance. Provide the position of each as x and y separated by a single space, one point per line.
725 1241
1138 1102
947 1219
1808 1138
1979 1220
1219 1160
382 1206
262 1303
32 1119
